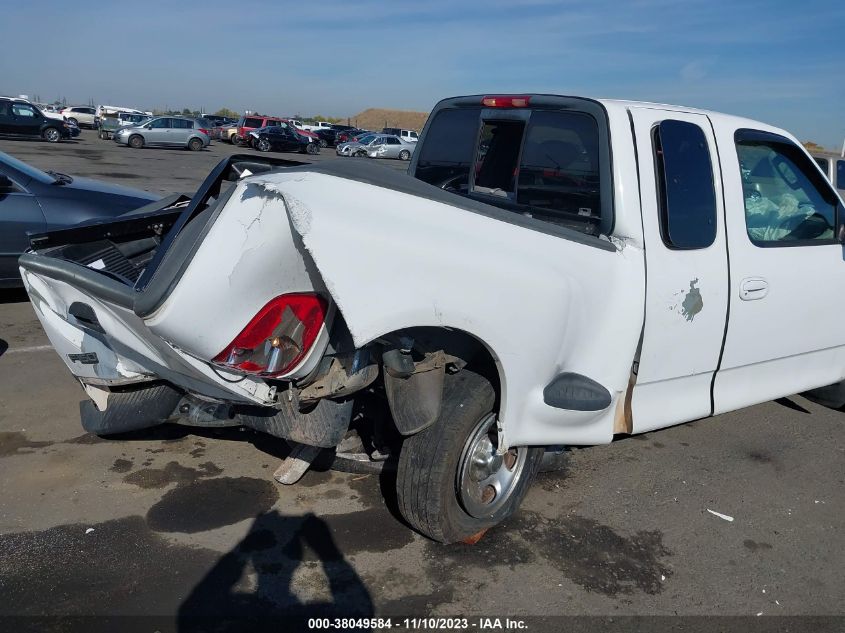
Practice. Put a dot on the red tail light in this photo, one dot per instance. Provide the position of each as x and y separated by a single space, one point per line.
204 131
506 101
278 337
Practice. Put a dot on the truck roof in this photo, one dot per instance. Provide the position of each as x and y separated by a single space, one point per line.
737 121
619 107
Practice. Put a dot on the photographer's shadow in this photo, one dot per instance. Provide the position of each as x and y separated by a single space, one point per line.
275 547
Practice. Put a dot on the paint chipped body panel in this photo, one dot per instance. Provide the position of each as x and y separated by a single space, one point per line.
652 325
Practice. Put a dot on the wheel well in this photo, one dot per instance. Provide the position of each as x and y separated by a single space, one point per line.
458 343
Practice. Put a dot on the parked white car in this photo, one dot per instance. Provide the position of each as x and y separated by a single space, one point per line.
550 271
409 136
315 126
82 116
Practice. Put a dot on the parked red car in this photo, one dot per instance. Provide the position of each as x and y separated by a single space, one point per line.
253 122
350 136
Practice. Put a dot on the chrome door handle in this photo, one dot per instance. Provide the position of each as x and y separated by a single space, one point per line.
753 288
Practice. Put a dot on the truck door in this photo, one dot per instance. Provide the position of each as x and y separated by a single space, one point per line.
787 270
686 267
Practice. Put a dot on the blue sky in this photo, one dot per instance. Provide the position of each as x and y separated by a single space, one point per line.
781 61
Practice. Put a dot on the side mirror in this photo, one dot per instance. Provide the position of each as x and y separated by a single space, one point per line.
840 235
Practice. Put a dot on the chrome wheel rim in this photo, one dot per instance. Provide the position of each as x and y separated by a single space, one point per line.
263 145
52 134
487 480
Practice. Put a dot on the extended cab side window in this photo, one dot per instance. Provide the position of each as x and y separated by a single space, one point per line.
787 200
686 197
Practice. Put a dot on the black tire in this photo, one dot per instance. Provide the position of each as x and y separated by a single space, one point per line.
73 121
51 135
430 463
136 141
323 143
263 145
195 144
312 148
404 155
235 140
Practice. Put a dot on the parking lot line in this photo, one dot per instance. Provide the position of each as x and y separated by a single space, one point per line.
33 348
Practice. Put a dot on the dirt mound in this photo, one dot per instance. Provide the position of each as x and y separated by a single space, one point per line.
377 118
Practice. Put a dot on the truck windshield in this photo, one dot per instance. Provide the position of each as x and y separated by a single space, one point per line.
544 165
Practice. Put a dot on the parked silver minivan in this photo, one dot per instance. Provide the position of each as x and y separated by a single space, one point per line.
166 131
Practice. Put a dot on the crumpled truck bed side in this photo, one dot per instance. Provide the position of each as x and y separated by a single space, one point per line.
540 303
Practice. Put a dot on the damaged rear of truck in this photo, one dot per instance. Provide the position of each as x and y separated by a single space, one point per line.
470 331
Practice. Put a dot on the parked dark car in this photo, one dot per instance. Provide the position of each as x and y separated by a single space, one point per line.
327 136
36 201
217 120
21 120
283 138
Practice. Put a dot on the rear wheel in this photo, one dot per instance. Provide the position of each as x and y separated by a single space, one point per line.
195 145
234 139
404 155
323 143
51 135
136 141
451 483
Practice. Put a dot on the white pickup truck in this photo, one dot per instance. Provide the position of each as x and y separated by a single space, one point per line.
317 125
550 271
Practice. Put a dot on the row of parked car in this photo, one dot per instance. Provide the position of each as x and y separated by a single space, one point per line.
268 133
137 129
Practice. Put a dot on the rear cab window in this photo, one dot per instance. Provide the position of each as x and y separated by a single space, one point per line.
549 163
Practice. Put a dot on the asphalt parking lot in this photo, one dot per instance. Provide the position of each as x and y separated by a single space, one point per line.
180 522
